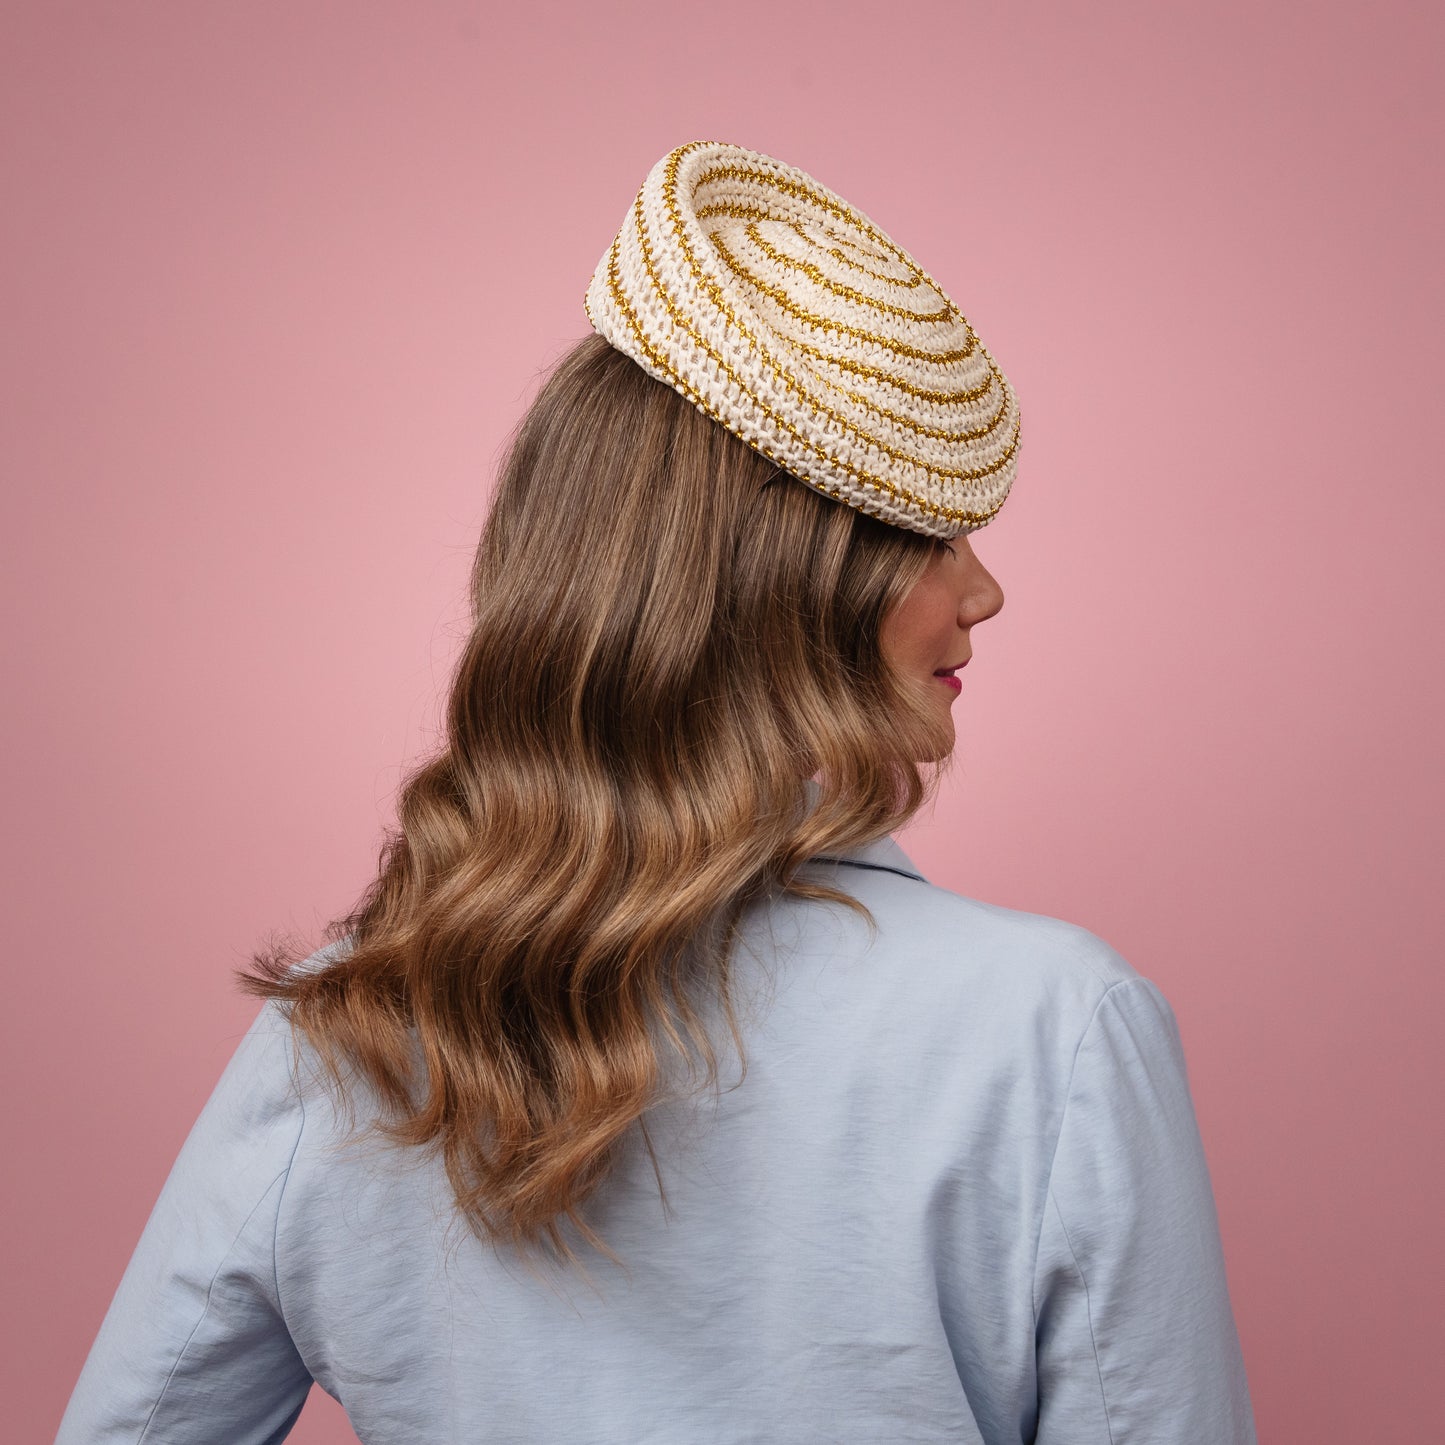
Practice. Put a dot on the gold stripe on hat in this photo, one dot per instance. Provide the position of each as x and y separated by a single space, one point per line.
728 324
812 195
791 382
928 468
923 504
815 273
742 212
826 323
972 434
861 368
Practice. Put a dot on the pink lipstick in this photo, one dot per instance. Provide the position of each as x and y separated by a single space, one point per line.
946 675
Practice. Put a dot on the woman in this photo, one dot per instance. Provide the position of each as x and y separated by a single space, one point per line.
941 1179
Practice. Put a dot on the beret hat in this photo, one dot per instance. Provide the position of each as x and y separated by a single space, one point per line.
786 315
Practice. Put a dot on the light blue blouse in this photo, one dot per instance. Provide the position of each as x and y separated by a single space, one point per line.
960 1196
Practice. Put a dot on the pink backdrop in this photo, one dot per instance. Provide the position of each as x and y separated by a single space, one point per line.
278 279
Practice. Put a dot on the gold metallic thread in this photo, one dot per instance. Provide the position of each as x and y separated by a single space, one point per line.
898 348
660 362
792 384
816 274
780 298
951 515
913 280
861 368
929 469
917 276
818 406
846 213
758 213
812 195
941 434
808 194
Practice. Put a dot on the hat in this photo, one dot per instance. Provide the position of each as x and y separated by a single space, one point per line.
787 316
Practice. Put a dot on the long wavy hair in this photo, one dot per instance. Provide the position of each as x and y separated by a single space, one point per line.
672 697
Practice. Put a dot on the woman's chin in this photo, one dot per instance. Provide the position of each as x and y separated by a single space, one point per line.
937 743
924 723
939 752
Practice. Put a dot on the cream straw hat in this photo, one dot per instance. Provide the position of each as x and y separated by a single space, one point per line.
786 315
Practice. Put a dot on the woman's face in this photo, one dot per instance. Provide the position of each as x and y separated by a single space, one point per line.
926 636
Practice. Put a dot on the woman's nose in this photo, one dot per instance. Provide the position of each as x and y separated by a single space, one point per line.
982 598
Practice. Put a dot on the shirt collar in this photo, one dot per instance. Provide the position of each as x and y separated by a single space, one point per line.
882 853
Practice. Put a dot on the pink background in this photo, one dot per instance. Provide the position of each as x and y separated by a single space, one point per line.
279 277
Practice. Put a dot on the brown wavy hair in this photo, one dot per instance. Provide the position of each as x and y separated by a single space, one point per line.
670 637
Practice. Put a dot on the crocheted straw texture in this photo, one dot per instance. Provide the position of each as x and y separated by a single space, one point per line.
786 315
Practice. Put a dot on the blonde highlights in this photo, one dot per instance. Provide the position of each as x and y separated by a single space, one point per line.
669 639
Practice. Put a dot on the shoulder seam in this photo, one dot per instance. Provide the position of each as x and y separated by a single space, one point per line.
1058 1138
1082 955
205 1309
1088 1309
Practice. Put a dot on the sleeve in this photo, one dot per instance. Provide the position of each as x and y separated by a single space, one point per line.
1135 1339
194 1347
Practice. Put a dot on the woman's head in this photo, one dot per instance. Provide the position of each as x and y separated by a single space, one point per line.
670 638
654 592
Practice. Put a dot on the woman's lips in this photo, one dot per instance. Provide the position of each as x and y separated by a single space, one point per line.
946 676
